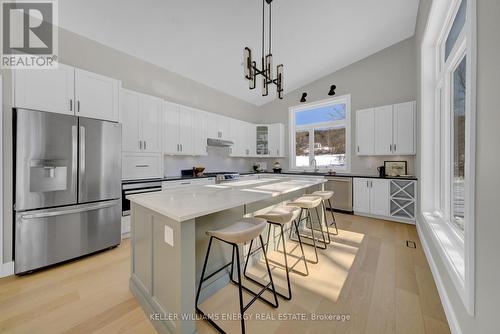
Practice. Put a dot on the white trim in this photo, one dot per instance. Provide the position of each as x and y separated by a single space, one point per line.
291 129
443 295
7 269
443 11
1 176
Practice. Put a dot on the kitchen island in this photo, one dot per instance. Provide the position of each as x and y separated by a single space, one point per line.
168 241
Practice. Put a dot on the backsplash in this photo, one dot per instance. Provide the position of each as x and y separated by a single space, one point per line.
218 159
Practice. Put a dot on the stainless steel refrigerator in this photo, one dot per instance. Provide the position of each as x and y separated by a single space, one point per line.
67 187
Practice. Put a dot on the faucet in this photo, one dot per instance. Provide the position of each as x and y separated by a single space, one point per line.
316 169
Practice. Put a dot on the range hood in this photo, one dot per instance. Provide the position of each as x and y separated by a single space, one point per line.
219 142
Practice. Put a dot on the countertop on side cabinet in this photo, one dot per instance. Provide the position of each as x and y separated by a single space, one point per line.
352 175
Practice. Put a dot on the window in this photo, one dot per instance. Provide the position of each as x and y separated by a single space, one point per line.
320 133
447 140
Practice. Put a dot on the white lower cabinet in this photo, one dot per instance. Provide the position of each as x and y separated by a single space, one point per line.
391 199
141 165
371 196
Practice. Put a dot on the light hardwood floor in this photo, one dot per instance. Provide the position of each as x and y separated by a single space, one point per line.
368 273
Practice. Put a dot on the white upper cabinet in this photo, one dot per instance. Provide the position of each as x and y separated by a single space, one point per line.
141 117
171 128
150 119
67 90
218 126
251 134
186 130
129 117
276 140
45 90
365 131
404 128
387 130
199 132
96 96
383 130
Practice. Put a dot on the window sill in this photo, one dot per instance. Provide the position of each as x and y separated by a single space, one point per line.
450 246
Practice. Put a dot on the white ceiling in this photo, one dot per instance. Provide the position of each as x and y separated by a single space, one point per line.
204 40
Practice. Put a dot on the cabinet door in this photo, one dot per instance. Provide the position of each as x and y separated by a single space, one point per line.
129 117
171 128
150 117
223 124
364 132
199 132
251 133
96 96
361 194
379 197
262 140
404 128
45 90
383 130
274 139
185 130
212 129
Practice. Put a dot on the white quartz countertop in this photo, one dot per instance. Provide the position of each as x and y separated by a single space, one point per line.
195 201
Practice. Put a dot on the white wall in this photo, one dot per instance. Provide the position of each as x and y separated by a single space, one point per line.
386 77
487 208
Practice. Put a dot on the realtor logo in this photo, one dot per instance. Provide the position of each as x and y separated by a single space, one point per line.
29 34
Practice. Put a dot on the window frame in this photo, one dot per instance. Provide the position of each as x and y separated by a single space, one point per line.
455 248
343 99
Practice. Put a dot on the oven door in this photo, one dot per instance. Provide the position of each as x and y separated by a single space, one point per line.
126 192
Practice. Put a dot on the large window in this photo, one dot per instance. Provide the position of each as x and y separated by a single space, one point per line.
447 139
451 101
320 135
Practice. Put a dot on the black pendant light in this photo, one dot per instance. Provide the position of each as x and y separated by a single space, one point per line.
251 69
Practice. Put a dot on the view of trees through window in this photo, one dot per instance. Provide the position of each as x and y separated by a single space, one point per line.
320 134
459 89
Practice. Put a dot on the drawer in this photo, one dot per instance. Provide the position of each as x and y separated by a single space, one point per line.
186 183
141 166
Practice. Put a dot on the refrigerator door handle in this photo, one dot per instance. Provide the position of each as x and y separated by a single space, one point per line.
80 208
82 159
74 154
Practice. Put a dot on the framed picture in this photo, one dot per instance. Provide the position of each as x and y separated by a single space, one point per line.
395 168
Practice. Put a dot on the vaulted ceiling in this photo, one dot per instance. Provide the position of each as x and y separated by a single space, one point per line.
204 40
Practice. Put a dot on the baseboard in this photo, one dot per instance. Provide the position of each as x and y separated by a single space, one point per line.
7 269
443 295
392 219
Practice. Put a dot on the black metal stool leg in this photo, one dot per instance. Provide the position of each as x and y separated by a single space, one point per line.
334 221
301 246
240 289
269 272
323 206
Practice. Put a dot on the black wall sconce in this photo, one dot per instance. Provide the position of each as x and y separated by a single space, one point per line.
303 98
332 90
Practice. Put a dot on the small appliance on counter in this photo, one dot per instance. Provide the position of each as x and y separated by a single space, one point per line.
259 166
277 167
381 171
194 172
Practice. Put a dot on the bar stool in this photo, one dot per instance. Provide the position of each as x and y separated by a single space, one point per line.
306 204
280 217
326 195
241 232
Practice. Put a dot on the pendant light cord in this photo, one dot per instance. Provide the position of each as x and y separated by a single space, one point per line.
270 27
263 28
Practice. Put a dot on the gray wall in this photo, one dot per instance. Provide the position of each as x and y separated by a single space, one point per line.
137 75
386 77
487 208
